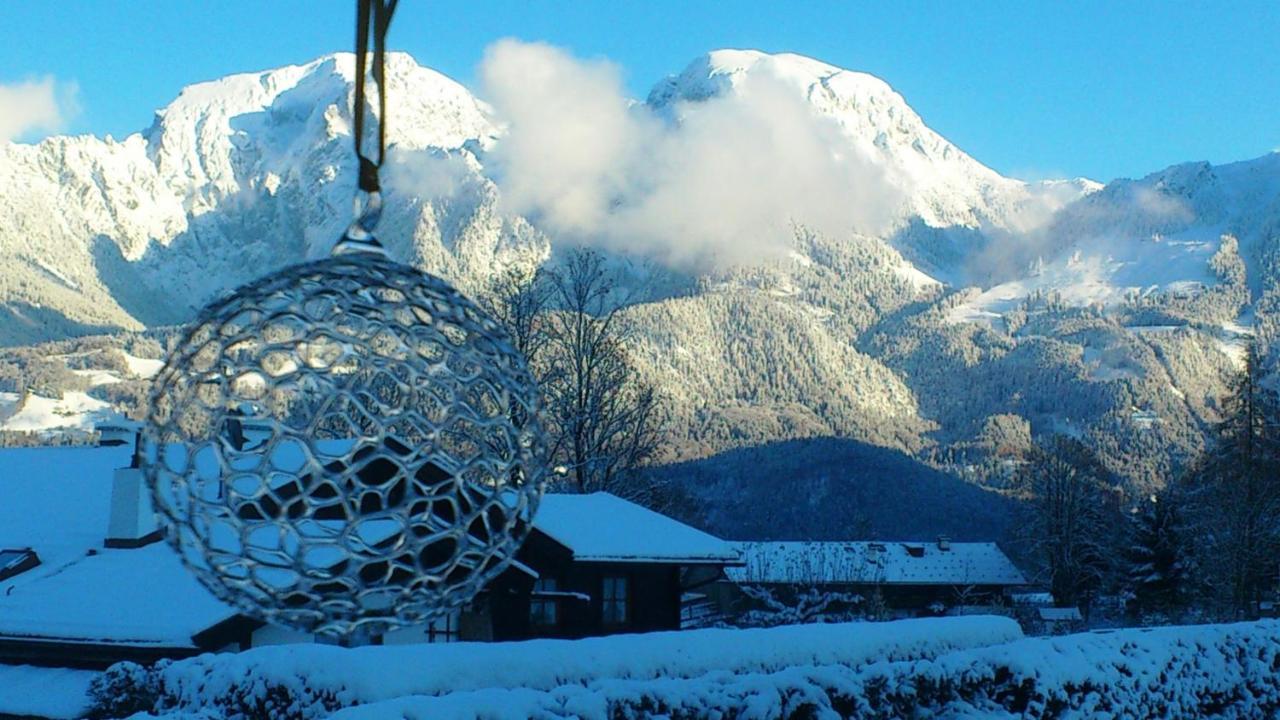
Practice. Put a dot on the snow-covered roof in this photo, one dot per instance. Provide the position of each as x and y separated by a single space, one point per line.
57 501
135 597
906 563
605 528
1057 614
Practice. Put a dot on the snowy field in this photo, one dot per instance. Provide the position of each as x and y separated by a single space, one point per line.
75 410
1104 272
972 667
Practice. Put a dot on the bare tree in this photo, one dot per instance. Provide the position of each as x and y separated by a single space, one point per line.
1070 518
797 605
518 299
606 416
602 417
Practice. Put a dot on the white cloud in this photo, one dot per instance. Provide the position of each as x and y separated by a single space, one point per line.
35 106
724 185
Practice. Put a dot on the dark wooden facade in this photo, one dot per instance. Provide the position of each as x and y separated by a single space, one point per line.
573 598
900 599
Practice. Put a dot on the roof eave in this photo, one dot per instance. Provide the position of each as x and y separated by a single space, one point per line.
639 560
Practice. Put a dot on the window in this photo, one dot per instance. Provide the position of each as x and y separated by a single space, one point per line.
444 629
544 608
616 610
13 562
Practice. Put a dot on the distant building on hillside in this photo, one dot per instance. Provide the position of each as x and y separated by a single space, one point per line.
1057 620
117 432
85 582
907 578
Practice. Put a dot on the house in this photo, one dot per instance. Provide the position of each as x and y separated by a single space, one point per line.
1058 620
606 565
117 432
909 578
85 580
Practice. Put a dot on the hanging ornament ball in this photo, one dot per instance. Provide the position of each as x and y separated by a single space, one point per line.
346 446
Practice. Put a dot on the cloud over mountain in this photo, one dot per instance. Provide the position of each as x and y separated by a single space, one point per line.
720 184
31 106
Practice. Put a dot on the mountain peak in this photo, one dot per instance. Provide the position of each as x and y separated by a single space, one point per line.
715 72
944 185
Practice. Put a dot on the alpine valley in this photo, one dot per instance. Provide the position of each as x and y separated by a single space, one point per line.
913 360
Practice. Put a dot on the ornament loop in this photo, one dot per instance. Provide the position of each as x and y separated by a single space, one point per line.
359 235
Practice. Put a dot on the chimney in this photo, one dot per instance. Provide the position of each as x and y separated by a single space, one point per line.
132 523
944 543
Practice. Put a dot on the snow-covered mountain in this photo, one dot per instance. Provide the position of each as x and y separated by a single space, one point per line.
247 172
943 185
236 176
1146 238
1095 308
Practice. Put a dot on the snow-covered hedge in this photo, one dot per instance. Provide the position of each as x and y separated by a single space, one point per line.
918 668
1230 671
311 681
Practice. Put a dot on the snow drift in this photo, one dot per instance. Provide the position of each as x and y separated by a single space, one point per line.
310 681
951 667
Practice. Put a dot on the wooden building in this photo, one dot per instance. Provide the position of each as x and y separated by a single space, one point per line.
607 566
85 580
907 578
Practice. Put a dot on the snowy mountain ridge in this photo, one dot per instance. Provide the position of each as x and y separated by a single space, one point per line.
254 170
235 176
857 335
944 185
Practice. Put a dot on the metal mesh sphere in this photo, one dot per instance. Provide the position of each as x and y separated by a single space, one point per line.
348 445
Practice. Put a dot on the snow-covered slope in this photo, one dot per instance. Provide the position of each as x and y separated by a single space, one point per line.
236 176
854 335
1142 238
245 173
943 186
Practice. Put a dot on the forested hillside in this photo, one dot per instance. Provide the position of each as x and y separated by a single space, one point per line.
927 308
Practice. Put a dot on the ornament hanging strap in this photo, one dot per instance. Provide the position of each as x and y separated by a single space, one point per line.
373 18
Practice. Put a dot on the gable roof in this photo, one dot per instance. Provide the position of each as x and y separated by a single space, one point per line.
601 527
138 597
56 501
904 563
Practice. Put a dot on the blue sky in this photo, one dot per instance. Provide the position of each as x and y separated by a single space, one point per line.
1039 89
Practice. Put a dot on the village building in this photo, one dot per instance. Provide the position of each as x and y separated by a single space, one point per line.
85 579
905 579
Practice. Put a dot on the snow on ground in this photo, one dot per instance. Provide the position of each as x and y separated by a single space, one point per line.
143 367
799 258
972 667
54 693
1234 338
75 410
98 377
1104 364
1102 272
8 404
371 674
918 279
